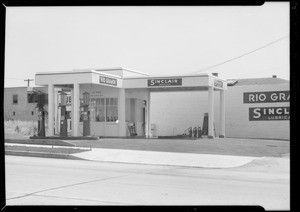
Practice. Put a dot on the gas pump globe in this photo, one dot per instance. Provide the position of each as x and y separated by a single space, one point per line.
63 99
63 114
86 115
86 98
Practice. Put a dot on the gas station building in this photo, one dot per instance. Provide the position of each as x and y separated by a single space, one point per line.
118 97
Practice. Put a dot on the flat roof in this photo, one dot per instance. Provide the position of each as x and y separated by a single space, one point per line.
256 81
168 76
126 78
93 70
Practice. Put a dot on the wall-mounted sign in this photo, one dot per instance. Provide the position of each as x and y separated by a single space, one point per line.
165 82
269 113
96 94
266 97
107 81
218 83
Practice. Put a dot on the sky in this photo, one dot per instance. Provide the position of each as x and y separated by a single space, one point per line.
234 41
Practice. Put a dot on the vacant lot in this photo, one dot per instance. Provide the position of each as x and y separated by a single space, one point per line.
225 146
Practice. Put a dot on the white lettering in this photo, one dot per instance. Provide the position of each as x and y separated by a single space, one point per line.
257 113
271 111
286 111
262 97
282 96
279 111
274 97
251 98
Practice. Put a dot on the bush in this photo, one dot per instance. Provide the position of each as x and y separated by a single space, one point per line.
17 129
22 127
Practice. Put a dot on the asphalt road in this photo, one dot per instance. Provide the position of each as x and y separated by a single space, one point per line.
44 181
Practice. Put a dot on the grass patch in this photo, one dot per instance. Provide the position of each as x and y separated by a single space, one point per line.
44 149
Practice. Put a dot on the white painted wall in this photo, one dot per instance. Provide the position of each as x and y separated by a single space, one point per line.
99 91
174 112
237 115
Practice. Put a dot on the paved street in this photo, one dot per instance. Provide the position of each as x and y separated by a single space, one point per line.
44 181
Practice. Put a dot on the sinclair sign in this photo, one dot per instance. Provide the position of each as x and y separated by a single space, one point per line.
269 113
165 82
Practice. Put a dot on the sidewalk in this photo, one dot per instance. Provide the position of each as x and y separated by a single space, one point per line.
165 158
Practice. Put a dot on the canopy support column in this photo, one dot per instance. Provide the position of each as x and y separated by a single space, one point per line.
147 118
210 112
50 109
222 114
75 109
121 112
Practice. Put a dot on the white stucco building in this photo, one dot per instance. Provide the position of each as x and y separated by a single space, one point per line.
160 105
119 96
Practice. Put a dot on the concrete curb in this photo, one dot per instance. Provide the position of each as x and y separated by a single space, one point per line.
42 154
46 146
65 137
40 141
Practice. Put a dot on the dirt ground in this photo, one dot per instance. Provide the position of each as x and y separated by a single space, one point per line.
224 146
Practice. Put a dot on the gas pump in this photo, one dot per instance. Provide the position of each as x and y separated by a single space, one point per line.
41 115
195 132
190 132
199 132
63 114
86 115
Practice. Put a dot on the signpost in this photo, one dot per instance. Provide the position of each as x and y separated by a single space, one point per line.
218 83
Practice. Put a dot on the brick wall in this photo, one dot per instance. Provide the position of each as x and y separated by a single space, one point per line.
22 110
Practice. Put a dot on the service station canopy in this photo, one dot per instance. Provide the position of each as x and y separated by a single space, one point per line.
115 77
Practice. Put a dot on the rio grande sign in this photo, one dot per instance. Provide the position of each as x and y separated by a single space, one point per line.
107 81
267 97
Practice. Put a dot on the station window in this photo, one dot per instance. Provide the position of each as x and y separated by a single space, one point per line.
15 99
97 110
104 109
111 109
